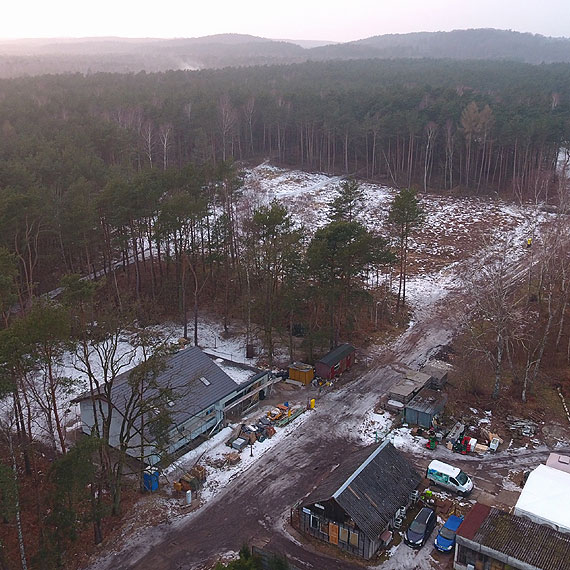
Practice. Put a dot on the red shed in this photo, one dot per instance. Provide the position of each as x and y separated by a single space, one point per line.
336 361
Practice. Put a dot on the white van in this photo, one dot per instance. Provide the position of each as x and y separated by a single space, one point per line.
449 477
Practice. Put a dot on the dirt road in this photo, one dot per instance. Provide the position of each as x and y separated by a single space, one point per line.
256 504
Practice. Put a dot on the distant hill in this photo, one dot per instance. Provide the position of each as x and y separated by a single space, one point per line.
308 44
459 44
121 55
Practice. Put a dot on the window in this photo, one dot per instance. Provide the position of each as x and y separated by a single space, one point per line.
204 381
354 538
343 534
315 523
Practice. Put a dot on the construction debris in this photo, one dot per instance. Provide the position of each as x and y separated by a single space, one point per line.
227 459
289 418
525 428
198 471
456 433
493 440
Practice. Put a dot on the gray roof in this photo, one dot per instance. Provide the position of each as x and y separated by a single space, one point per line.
336 355
370 486
404 390
412 382
517 537
182 374
428 401
419 378
436 371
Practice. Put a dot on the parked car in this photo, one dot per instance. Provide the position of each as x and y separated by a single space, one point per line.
449 477
420 528
445 539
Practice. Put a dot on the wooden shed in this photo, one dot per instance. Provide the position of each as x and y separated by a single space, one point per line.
336 361
301 372
357 502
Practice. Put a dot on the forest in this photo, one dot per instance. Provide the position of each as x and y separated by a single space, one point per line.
482 43
134 182
72 145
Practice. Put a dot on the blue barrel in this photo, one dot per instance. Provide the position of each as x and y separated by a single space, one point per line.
150 480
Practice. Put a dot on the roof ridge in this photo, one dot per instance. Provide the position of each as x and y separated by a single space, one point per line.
359 470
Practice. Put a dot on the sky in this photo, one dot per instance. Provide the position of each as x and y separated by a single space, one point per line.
333 20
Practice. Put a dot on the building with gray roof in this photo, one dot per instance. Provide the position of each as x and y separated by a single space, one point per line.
194 392
358 502
424 407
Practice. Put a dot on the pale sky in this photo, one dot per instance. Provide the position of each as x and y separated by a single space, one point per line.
334 20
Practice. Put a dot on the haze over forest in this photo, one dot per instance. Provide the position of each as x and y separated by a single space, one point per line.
122 55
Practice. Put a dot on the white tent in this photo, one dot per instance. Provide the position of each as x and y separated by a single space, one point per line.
545 498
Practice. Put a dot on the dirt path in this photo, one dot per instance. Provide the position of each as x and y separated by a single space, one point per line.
256 504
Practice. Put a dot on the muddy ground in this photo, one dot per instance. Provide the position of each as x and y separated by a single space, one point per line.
256 506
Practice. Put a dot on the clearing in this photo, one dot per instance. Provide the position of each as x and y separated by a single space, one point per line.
252 499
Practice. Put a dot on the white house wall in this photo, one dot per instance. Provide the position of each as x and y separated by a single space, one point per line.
134 450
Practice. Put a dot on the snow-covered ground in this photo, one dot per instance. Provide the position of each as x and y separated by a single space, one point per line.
229 348
455 229
216 449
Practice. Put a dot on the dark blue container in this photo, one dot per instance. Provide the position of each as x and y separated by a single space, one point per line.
150 480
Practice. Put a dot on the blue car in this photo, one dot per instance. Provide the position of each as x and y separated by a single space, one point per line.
445 540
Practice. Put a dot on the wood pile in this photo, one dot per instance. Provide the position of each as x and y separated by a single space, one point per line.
232 458
227 459
198 471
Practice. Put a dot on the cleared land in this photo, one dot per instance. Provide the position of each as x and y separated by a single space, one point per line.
252 500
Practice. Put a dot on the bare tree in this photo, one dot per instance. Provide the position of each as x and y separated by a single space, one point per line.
7 428
431 131
490 320
449 152
248 111
148 140
164 136
227 119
